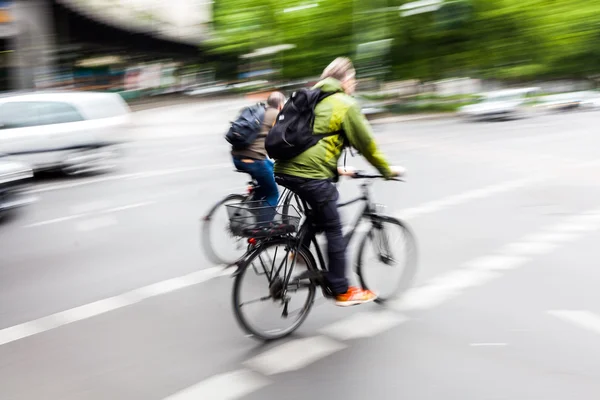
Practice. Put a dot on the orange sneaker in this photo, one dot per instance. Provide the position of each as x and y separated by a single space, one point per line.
354 296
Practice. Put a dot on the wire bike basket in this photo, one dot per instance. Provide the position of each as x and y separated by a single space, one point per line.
255 220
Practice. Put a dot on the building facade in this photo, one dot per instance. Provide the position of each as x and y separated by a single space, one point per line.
43 42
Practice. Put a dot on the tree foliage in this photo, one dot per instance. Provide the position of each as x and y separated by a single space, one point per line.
503 39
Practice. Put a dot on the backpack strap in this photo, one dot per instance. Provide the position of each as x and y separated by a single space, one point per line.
322 96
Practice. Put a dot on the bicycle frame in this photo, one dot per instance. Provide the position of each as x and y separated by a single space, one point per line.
368 211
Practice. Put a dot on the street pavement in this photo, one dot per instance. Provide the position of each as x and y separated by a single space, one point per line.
106 293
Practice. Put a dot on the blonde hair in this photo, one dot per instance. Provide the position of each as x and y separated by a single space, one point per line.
341 69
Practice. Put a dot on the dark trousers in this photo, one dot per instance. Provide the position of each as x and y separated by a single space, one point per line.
322 197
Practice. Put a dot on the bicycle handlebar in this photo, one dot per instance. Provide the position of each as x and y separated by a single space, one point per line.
362 175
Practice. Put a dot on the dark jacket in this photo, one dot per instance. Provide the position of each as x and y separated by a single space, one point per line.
256 150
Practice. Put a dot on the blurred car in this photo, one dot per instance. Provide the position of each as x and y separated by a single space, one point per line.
206 90
501 104
15 178
74 132
585 100
592 102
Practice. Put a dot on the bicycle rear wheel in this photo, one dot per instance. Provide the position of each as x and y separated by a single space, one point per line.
220 245
291 201
263 266
392 245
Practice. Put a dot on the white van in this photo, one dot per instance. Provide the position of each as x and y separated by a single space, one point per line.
74 132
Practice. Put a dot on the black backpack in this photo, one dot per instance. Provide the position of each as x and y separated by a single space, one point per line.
292 133
245 129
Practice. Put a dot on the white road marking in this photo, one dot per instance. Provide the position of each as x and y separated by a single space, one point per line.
459 279
53 321
362 325
294 355
53 221
168 286
94 222
422 298
488 344
442 289
580 223
552 237
497 262
227 386
138 175
528 248
89 207
93 309
129 206
482 270
437 205
582 318
586 218
576 227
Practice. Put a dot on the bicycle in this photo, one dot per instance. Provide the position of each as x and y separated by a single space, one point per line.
290 235
211 219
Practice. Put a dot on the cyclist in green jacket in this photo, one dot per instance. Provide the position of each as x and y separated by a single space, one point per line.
312 173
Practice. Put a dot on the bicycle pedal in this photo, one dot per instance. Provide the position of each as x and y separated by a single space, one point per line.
327 293
285 313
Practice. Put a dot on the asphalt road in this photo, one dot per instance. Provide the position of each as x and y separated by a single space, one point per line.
105 292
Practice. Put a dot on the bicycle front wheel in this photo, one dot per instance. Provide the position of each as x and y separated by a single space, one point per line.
265 306
387 258
220 245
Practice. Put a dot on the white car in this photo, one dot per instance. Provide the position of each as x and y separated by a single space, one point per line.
15 178
563 101
74 132
501 104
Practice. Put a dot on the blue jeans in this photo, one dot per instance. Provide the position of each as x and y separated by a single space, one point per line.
262 171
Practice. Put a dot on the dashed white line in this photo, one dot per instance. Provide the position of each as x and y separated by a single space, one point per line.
362 325
227 386
93 309
86 208
529 248
576 227
294 355
94 222
129 206
582 318
497 262
487 268
437 205
442 289
138 175
591 217
422 298
552 237
461 278
53 221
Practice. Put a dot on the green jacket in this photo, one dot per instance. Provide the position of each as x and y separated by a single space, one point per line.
338 112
